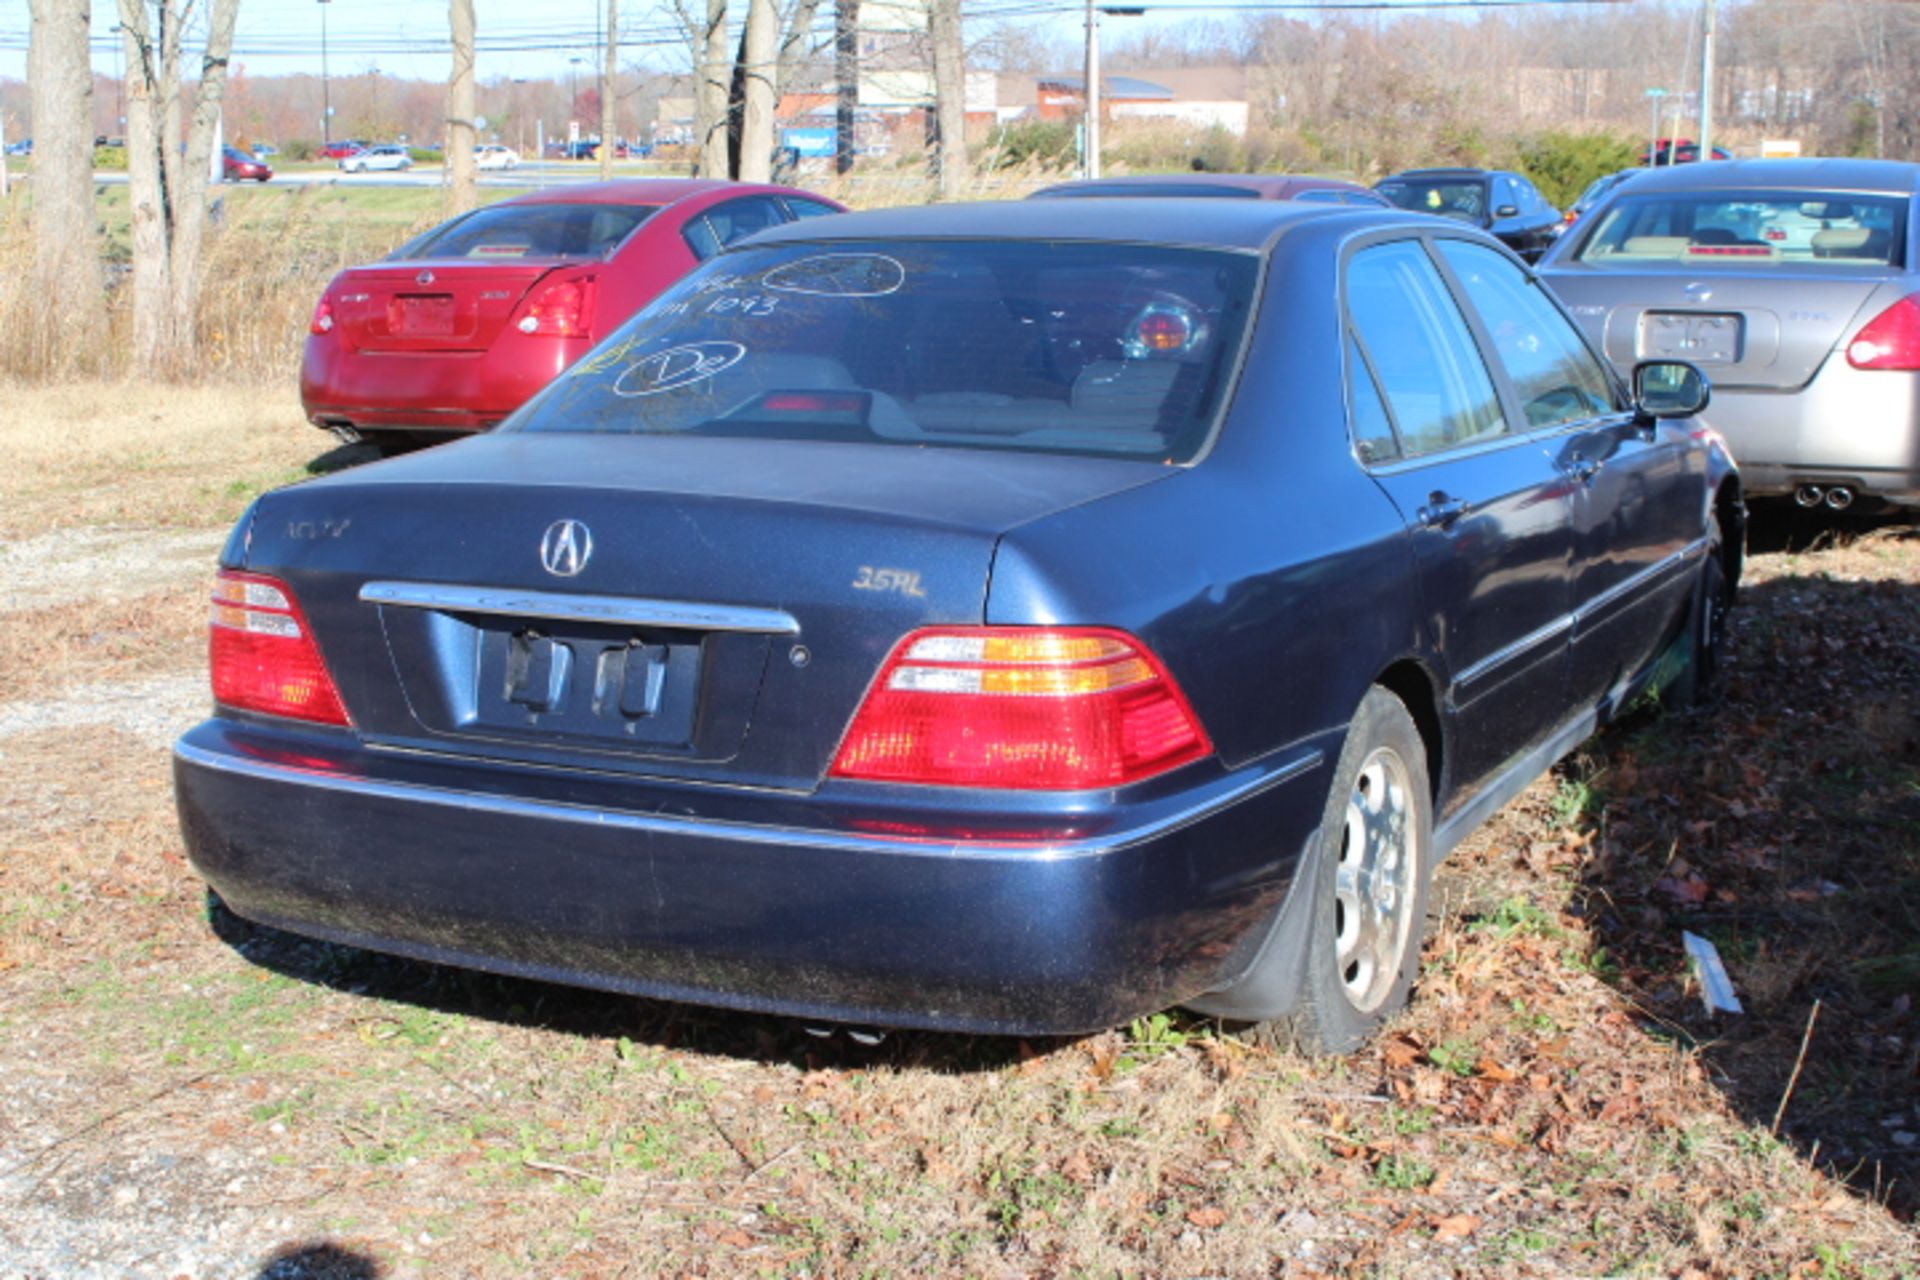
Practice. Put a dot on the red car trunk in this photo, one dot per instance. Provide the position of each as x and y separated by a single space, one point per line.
431 306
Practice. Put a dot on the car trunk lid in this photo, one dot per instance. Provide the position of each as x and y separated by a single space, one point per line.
730 603
431 305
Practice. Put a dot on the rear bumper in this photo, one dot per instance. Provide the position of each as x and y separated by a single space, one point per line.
1847 427
428 390
620 886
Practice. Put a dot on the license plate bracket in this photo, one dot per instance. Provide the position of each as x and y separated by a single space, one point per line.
420 315
1704 337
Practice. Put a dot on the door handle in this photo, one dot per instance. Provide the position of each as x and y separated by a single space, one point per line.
1585 469
1441 510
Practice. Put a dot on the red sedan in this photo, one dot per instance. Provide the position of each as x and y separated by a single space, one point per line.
237 166
460 326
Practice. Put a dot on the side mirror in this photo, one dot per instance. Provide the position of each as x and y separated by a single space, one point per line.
1507 211
1669 389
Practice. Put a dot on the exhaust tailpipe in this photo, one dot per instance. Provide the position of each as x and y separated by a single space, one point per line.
344 433
1839 498
867 1037
1809 495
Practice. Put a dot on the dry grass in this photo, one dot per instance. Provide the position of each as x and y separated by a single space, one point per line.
1547 1108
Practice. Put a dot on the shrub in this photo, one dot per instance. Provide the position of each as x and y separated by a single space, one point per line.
300 149
110 157
1562 164
1050 143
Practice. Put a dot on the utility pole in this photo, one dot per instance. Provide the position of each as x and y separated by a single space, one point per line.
1706 84
1653 139
610 69
326 83
1090 125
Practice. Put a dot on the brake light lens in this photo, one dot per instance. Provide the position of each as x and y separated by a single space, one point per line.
564 309
322 321
1891 339
1021 708
262 652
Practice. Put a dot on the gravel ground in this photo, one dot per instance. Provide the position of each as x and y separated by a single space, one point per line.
72 565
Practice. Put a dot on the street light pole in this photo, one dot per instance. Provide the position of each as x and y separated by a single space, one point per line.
1653 139
1706 84
326 83
1090 120
573 97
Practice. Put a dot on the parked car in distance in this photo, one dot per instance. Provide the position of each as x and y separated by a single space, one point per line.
264 150
24 147
1010 618
1244 186
492 155
237 166
1595 191
1494 200
1794 284
457 328
387 156
341 148
1676 151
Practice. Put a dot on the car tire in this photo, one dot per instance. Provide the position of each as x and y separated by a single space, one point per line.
1328 976
1698 684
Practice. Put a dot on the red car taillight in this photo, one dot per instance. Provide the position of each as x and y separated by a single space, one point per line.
1022 708
322 321
1891 339
564 309
263 654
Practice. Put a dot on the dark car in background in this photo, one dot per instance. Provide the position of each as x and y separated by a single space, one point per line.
457 328
1794 284
1013 618
1503 203
1677 151
237 166
1595 192
1232 186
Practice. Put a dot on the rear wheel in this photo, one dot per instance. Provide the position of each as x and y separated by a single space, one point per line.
1342 958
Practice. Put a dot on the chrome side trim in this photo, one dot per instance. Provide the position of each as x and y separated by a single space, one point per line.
1532 640
710 829
1632 586
618 610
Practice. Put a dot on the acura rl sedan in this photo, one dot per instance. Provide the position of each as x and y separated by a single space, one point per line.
1793 284
1013 618
454 330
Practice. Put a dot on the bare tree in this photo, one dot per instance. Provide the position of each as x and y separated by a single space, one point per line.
759 62
846 76
462 194
169 190
949 97
65 254
713 75
609 73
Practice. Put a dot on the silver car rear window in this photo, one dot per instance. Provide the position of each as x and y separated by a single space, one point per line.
1749 228
1109 349
505 232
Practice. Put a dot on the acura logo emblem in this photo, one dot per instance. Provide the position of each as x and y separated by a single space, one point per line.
566 547
425 277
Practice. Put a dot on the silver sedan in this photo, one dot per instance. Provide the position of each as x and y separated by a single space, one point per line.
1793 284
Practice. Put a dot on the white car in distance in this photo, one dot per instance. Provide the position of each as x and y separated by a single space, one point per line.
494 156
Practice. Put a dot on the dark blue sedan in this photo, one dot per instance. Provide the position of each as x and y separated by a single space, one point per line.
1011 618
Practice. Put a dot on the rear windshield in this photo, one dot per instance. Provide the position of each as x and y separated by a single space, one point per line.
1453 199
1743 228
1107 349
531 231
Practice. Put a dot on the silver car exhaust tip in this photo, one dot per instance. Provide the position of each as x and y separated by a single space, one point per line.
865 1036
1839 498
344 433
1809 495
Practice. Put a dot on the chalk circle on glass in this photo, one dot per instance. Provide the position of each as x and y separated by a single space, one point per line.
838 275
678 367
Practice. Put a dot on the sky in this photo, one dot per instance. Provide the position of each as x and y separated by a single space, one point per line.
407 38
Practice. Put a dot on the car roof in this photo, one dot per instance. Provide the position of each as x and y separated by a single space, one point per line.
654 191
1444 173
1270 186
1814 173
1202 223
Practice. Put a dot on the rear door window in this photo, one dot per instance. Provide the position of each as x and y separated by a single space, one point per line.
1430 370
1555 378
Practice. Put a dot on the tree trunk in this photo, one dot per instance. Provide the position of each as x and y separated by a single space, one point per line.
796 45
190 197
711 94
949 98
608 75
759 61
66 256
146 181
846 75
461 194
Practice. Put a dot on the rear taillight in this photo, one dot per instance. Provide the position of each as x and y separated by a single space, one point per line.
1891 339
564 309
322 321
1021 708
263 654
